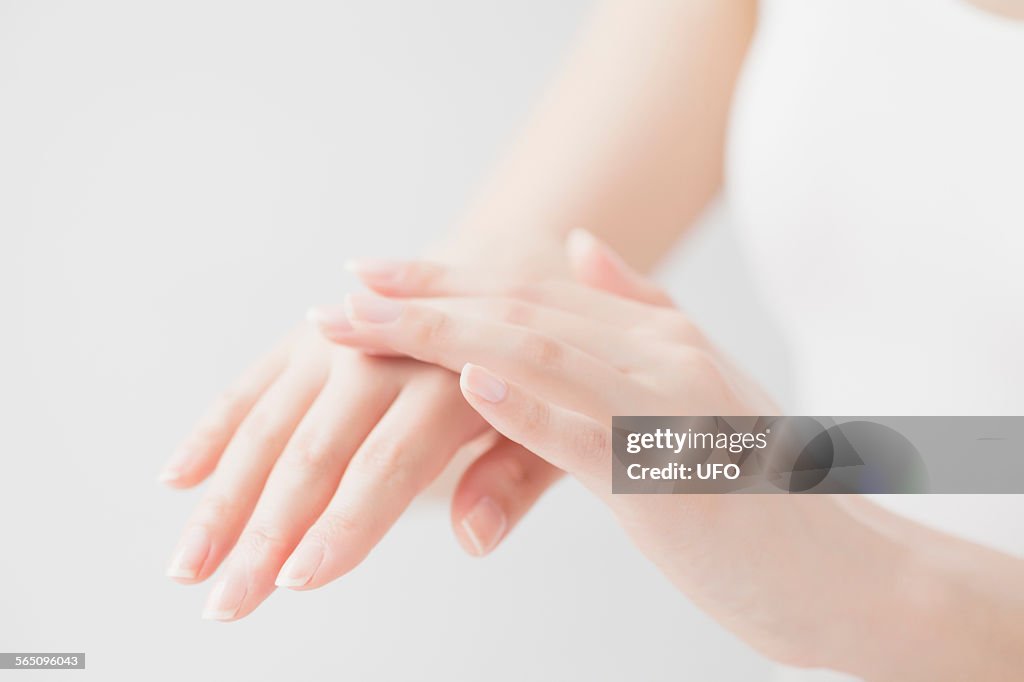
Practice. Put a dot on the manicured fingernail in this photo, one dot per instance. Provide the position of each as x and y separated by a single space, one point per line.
330 319
484 526
175 466
580 242
225 599
377 271
168 476
191 554
483 384
301 565
370 308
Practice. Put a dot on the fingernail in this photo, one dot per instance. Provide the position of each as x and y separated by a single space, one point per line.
330 319
168 476
483 384
175 466
484 525
376 271
580 242
301 565
370 308
225 599
191 554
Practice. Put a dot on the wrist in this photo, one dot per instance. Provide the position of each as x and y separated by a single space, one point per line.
880 612
945 613
905 621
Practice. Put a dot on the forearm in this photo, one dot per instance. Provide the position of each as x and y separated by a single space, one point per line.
629 141
985 612
950 609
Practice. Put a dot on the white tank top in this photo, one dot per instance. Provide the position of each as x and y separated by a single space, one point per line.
876 172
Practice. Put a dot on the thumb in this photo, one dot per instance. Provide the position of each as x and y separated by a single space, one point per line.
595 264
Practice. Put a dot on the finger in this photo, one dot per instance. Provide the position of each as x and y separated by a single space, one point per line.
569 440
525 355
422 279
406 450
598 339
236 484
332 322
197 456
595 264
495 492
299 487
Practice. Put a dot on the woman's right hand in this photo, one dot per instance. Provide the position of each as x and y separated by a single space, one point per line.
547 365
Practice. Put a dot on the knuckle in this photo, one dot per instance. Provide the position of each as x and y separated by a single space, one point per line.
513 471
527 291
592 441
518 313
262 538
383 459
217 509
431 329
307 454
536 417
333 525
541 350
259 428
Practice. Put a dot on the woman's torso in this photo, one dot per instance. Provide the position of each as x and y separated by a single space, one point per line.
876 171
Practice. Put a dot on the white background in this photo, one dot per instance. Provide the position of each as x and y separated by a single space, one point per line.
178 181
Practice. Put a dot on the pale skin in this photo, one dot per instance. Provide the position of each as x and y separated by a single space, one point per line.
818 580
630 142
605 150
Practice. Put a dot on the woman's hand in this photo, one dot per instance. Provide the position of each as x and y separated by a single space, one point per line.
623 348
800 578
327 446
